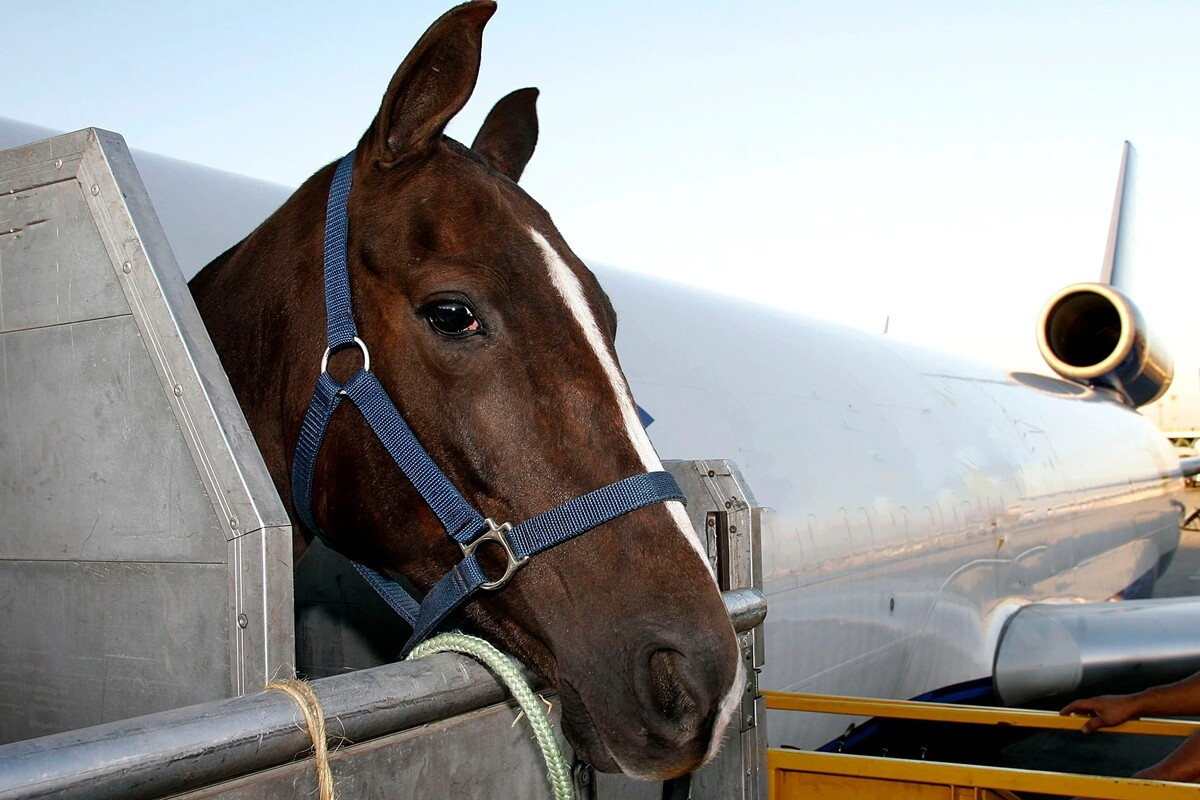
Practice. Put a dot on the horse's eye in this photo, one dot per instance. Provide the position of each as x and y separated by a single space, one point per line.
451 318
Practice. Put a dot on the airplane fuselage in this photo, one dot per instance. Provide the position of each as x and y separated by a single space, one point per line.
916 500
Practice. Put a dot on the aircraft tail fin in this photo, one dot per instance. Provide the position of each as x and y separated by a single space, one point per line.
1115 268
1092 333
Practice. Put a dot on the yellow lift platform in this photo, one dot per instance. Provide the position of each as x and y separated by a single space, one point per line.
806 775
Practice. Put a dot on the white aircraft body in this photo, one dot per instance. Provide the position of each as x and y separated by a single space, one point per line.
916 500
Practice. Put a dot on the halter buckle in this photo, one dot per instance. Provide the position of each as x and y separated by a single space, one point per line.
496 533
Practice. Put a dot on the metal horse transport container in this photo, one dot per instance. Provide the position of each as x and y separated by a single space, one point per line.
145 557
146 582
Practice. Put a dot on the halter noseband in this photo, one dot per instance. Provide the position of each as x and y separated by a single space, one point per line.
466 525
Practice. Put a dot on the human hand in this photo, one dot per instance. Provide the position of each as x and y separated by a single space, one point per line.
1105 711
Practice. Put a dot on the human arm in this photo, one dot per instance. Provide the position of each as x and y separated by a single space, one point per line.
1181 698
1183 763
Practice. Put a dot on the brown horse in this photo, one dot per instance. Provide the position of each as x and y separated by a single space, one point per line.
496 344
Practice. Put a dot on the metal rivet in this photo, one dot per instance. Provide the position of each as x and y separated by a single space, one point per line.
58 163
733 528
728 504
243 620
127 268
179 393
712 474
233 522
95 190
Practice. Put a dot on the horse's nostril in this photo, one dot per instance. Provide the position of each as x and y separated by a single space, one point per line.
670 693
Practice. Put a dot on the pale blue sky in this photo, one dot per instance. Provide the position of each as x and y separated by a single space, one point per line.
944 163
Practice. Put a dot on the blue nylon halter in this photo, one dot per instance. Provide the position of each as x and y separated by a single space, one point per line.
466 525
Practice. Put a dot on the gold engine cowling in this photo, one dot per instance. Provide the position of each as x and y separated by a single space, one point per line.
1093 334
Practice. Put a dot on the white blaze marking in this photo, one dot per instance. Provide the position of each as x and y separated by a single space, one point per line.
568 286
565 280
725 711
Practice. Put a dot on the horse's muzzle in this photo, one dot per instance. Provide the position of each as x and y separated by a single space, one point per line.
661 719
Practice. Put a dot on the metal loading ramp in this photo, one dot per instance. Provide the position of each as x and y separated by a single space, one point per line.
145 556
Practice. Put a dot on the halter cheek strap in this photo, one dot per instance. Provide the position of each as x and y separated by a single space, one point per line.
463 523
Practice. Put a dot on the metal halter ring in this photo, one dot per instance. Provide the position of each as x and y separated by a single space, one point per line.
361 346
496 533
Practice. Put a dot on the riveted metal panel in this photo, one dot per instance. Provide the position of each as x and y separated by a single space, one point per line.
94 466
47 244
90 641
261 633
145 557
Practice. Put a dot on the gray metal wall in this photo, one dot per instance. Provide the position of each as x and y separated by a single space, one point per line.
145 558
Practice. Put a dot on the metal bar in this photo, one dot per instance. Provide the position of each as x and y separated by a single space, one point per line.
747 608
780 762
980 715
173 751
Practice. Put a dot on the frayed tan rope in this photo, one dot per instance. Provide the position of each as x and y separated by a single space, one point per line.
314 717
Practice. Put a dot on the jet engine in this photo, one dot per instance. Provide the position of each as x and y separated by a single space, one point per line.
1091 333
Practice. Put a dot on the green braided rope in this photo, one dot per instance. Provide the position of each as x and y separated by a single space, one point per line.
531 704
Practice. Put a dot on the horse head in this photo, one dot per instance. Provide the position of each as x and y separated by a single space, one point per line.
496 344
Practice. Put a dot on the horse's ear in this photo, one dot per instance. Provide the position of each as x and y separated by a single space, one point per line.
509 133
430 86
